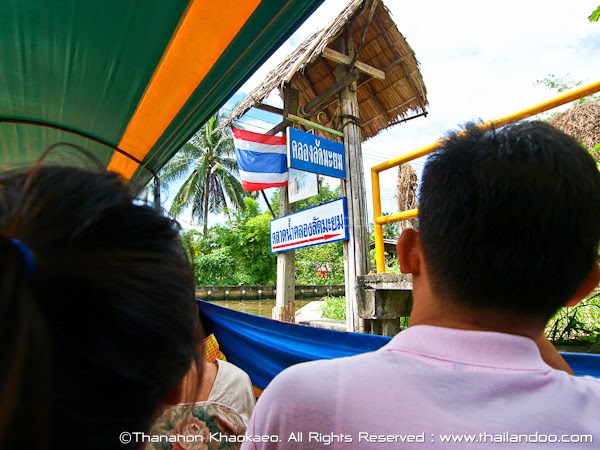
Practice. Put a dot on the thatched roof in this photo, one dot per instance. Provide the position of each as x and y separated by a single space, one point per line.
581 121
382 103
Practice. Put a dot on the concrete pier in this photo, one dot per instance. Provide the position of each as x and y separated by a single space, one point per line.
311 315
383 299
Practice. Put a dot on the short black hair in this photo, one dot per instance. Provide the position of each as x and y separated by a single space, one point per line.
510 219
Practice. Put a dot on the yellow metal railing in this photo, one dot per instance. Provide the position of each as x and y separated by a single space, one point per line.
380 220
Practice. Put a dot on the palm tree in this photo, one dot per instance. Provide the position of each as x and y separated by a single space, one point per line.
209 163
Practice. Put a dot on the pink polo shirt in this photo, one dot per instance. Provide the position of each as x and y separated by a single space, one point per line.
430 387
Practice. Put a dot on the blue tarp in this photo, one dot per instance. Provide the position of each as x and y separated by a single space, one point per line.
264 347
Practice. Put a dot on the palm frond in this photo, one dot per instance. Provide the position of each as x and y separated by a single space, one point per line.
209 160
185 195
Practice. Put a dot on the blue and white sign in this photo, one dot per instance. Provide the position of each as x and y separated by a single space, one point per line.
313 153
313 226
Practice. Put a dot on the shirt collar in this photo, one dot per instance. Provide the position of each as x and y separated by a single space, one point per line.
478 348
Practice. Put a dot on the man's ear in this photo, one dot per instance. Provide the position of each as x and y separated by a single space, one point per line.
590 282
409 251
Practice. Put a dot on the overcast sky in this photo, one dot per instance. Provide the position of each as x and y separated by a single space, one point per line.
479 60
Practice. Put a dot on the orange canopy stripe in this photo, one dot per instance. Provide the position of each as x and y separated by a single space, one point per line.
205 31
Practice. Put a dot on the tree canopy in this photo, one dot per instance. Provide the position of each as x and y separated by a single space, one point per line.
235 253
210 170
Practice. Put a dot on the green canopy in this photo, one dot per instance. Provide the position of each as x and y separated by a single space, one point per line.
130 80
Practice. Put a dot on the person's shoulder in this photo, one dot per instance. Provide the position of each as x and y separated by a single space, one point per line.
299 379
314 380
233 387
302 397
308 372
586 385
232 373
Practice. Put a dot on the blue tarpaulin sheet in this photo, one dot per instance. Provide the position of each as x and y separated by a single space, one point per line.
264 347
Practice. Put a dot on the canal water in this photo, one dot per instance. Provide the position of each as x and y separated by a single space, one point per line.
262 307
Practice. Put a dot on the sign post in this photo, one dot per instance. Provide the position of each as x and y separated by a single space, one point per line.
356 249
284 309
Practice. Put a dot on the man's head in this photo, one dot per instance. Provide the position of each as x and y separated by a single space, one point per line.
510 219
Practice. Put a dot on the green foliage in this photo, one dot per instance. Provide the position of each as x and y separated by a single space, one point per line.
237 253
190 240
394 266
391 230
595 15
334 307
558 84
579 323
562 84
320 264
210 171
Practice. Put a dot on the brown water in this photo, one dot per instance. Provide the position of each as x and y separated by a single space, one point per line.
257 307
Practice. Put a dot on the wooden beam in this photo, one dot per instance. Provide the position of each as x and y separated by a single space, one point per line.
340 58
291 97
316 126
280 127
343 82
334 101
269 108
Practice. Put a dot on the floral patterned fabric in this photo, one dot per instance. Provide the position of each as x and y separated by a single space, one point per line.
197 426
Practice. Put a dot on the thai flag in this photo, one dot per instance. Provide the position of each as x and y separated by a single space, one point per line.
262 159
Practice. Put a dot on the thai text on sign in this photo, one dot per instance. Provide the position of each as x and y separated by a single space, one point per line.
313 226
315 154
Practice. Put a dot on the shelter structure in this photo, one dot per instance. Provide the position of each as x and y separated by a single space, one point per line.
348 81
582 121
384 67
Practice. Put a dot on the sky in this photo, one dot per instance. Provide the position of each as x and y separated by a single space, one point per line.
479 60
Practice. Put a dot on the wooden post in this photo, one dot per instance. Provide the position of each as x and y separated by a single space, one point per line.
356 249
284 309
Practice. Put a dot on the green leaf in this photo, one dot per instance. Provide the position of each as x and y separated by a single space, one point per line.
595 15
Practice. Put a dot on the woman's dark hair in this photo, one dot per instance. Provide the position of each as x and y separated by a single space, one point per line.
510 219
104 327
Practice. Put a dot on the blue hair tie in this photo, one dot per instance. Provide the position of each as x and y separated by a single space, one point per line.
26 253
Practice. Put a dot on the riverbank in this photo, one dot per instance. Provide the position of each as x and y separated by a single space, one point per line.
211 293
312 314
580 347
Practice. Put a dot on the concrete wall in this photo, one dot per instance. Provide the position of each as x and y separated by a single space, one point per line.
263 292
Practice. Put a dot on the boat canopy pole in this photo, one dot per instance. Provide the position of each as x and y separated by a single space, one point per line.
157 204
